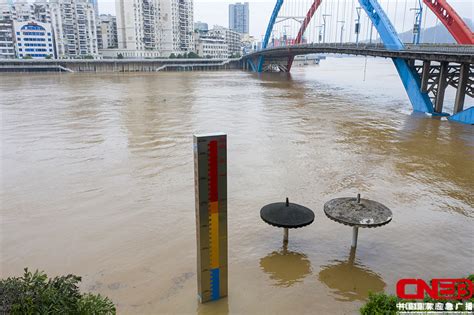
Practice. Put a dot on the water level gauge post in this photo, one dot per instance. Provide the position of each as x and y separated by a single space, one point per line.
210 178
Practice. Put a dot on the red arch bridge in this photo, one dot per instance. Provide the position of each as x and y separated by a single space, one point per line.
426 64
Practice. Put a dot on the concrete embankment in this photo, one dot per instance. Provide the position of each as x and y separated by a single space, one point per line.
118 65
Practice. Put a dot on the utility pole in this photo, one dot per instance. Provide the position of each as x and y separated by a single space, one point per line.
324 26
417 24
285 36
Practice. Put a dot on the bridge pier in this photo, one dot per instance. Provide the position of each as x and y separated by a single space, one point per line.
442 84
461 90
425 75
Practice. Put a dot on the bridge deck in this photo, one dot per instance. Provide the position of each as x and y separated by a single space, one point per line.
449 53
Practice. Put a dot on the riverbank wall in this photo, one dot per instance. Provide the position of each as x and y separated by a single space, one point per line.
118 65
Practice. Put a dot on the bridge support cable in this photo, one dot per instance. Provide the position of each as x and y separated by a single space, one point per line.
411 81
464 36
452 21
268 33
309 16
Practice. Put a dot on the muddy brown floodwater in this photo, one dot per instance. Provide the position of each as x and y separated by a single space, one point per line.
97 180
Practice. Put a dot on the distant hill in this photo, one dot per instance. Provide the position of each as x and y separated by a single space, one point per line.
435 34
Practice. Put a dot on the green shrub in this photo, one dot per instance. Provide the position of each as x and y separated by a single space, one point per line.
380 303
193 55
34 293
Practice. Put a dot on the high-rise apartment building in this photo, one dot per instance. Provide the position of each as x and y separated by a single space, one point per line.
7 46
201 26
138 24
6 12
159 26
42 12
75 28
108 30
72 23
186 25
239 17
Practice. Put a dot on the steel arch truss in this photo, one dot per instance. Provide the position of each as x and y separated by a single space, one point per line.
268 33
452 21
299 38
420 100
417 91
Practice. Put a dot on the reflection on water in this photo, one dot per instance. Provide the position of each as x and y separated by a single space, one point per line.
220 307
286 267
425 149
349 280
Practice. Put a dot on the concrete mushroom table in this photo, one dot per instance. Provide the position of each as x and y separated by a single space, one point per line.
358 213
286 215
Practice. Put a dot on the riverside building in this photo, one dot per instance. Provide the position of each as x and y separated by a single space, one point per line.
108 31
73 24
153 28
239 17
232 39
33 40
75 28
210 46
7 47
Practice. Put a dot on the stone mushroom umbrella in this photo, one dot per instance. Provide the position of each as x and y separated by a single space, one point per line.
358 213
286 215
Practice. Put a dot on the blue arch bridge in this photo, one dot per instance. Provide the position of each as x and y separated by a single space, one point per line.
378 28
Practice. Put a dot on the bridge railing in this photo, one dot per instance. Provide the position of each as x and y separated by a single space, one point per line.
444 48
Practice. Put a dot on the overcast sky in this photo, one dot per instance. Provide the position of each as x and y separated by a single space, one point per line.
215 12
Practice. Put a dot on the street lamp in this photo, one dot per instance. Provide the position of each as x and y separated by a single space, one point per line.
417 25
342 28
324 26
320 33
357 25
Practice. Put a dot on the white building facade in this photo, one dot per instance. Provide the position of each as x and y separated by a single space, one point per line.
210 46
138 25
156 27
186 25
73 24
232 39
7 47
33 40
75 28
108 30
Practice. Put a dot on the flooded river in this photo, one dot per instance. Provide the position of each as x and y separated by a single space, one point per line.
97 180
